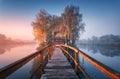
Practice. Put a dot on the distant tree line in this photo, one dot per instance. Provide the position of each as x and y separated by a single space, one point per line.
103 40
5 40
69 24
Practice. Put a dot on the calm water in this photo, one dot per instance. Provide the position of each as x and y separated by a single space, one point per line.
10 54
108 55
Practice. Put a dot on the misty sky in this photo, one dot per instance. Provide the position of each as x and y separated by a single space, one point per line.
100 16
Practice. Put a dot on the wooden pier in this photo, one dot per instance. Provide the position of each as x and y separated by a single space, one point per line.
58 67
54 64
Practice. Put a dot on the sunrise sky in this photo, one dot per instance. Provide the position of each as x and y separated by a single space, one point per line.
100 16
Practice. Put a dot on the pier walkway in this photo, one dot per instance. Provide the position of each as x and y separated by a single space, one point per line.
53 64
58 67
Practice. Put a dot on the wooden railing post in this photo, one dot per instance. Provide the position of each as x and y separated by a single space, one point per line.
68 52
67 48
41 58
51 50
54 46
76 59
49 55
41 63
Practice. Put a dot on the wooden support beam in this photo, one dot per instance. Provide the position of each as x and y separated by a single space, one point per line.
76 59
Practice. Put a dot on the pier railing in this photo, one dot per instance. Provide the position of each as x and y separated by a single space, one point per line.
11 68
45 54
103 68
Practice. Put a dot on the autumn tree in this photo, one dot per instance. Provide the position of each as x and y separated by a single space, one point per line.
40 26
43 27
69 24
72 19
52 26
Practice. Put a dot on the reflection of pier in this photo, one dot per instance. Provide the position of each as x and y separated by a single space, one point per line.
54 65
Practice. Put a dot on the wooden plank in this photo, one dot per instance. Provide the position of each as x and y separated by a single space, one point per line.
58 67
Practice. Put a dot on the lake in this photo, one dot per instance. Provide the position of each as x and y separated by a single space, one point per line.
108 55
12 53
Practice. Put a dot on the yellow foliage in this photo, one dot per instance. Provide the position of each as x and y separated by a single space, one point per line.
40 36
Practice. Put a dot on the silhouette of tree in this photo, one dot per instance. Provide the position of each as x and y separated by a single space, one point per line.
6 41
2 39
103 40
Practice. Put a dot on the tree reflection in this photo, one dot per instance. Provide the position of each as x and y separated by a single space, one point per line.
106 50
35 70
4 48
37 67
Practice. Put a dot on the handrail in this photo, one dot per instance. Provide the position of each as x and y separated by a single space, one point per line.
108 71
76 64
9 69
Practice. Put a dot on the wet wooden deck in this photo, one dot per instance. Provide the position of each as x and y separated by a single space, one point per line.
58 67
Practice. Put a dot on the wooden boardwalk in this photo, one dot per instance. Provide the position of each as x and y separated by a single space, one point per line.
58 67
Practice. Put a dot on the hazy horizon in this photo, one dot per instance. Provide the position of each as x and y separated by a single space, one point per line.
101 17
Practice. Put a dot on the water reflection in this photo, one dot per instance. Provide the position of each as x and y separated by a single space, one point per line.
4 48
37 66
35 71
17 52
107 55
109 51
